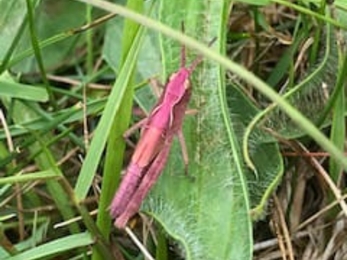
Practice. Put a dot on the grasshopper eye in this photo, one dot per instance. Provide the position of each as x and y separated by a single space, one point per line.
186 84
173 75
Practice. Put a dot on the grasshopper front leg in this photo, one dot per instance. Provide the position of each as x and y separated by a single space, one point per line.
141 124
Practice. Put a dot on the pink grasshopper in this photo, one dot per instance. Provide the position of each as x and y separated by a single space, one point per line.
152 151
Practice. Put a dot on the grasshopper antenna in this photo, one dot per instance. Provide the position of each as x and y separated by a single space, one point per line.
199 59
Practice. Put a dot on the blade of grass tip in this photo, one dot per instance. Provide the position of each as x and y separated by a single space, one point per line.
22 91
37 52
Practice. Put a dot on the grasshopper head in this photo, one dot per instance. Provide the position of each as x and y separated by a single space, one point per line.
178 83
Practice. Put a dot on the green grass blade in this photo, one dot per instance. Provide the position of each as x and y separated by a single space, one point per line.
116 143
113 104
57 246
43 175
67 115
37 50
338 130
22 91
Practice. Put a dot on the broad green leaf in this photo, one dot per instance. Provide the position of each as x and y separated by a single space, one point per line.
208 210
265 155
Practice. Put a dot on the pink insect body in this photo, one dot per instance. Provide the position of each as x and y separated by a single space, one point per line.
152 150
156 167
